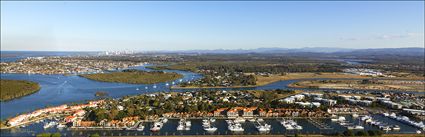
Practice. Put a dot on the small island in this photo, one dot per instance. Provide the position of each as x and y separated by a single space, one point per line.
11 89
132 76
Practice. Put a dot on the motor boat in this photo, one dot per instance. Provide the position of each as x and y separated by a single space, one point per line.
50 124
156 126
61 126
236 127
240 120
210 129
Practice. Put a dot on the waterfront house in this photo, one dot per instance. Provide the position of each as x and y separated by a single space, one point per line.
233 113
219 112
70 119
249 112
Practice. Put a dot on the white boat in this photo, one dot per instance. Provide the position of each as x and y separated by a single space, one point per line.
236 127
50 124
385 128
260 119
418 132
263 127
164 120
140 127
60 126
166 84
180 127
146 87
184 125
210 129
154 86
385 114
358 127
156 126
188 123
298 127
355 115
395 127
240 120
339 119
137 88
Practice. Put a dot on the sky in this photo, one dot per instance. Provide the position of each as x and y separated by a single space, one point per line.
178 25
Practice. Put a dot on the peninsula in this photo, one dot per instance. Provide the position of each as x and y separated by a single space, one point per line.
132 76
11 89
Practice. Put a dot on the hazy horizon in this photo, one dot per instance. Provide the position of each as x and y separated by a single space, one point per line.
209 25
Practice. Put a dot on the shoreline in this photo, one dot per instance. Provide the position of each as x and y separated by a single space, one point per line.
306 86
301 79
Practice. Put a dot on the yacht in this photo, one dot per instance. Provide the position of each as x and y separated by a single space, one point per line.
210 129
339 119
358 127
137 88
140 127
163 120
184 125
240 120
263 127
166 84
355 115
50 124
188 123
260 119
156 126
180 126
61 126
395 127
236 127
385 128
154 86
146 87
290 125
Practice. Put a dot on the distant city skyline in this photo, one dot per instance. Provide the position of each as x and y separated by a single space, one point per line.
209 25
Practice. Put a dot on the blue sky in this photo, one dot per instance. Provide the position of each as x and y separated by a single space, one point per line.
165 25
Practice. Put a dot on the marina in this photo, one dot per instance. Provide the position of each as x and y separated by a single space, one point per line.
201 126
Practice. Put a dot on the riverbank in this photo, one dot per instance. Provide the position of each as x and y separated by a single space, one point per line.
361 85
11 89
262 80
134 77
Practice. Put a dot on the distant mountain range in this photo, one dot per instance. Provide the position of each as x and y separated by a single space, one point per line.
413 51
